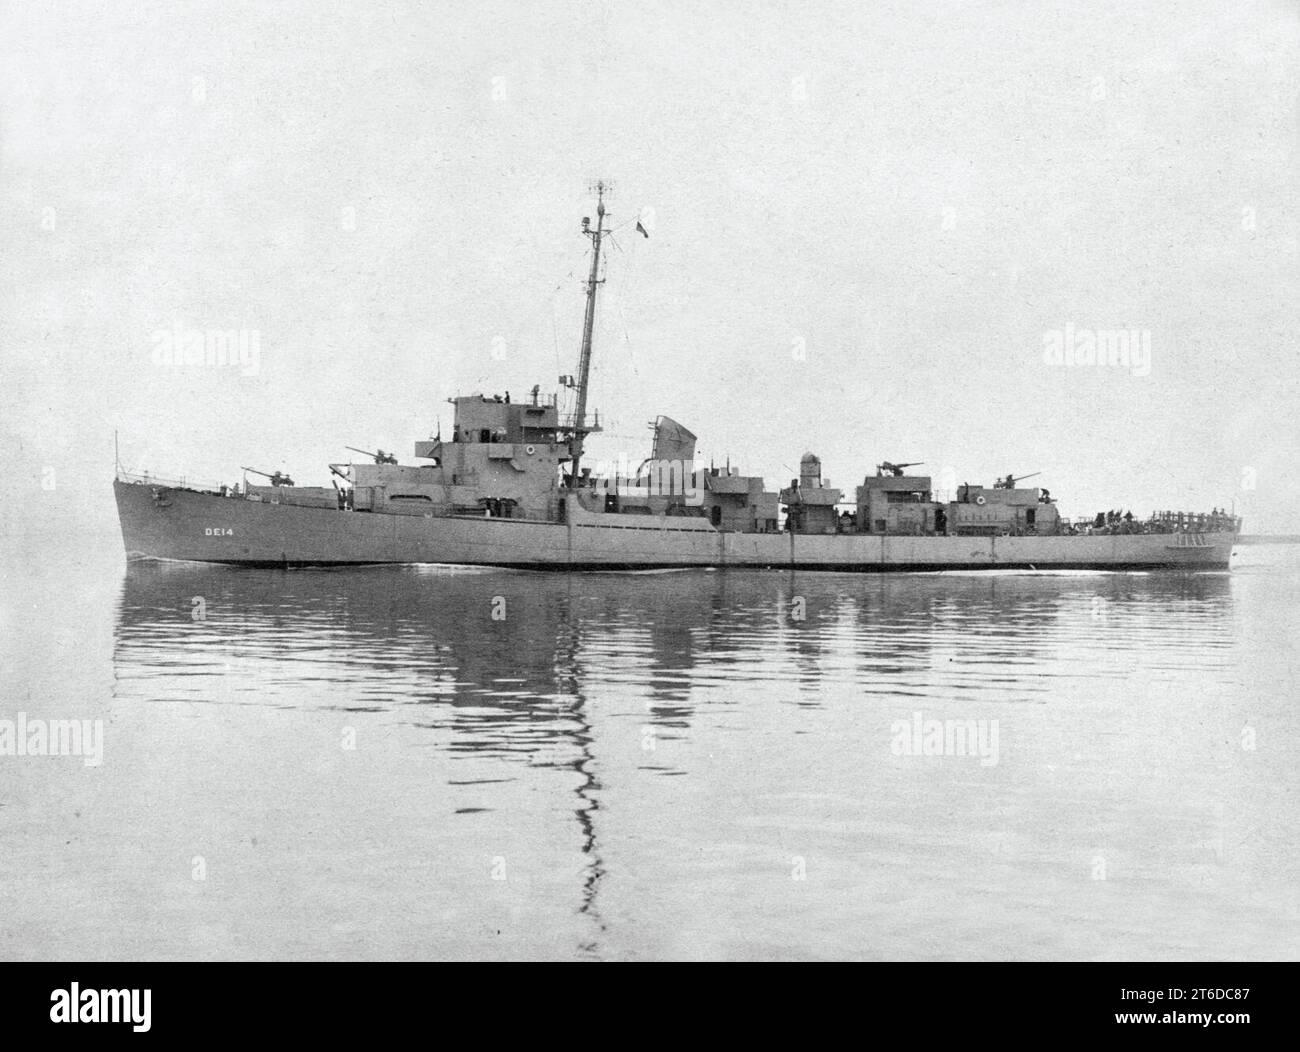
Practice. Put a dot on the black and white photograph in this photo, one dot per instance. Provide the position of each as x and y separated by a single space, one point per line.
610 481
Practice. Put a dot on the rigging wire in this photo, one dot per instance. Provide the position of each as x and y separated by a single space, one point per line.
598 368
530 319
627 284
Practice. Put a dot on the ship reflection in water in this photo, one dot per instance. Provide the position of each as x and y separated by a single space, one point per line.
431 762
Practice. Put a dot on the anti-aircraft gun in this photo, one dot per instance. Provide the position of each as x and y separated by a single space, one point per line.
277 479
896 469
379 456
1010 481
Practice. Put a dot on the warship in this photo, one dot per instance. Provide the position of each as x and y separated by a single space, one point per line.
508 489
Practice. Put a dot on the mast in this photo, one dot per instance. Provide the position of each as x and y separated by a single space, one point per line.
584 363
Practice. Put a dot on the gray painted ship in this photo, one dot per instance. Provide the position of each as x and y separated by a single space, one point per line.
508 488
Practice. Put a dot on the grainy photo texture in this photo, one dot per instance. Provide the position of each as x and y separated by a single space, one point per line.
641 481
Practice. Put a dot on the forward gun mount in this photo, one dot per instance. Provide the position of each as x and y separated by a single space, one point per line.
277 479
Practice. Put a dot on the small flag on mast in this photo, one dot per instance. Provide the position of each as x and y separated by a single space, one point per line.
642 230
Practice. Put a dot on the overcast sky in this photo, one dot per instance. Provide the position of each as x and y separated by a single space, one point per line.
868 223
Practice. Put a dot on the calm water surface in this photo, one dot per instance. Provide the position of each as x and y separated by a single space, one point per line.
440 763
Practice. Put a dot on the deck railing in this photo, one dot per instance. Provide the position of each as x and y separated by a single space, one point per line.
176 482
569 421
1161 523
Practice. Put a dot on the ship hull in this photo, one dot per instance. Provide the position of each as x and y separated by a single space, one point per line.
172 523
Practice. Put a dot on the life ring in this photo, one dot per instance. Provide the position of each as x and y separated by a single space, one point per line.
980 500
529 450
